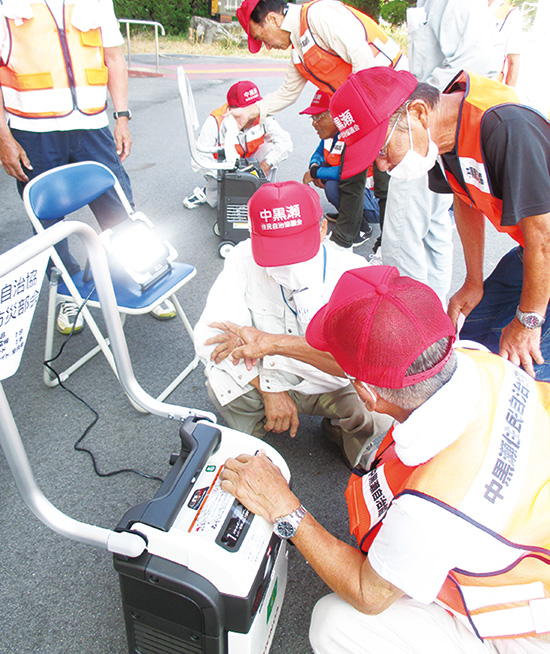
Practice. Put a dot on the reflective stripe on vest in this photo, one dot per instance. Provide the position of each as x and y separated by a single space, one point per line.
67 72
249 142
504 499
481 96
327 70
218 115
332 151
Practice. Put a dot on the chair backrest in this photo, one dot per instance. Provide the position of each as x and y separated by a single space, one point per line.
191 124
65 189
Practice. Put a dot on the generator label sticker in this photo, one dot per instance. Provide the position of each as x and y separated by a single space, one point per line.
19 292
212 512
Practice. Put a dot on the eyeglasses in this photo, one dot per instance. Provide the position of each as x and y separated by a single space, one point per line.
383 151
315 118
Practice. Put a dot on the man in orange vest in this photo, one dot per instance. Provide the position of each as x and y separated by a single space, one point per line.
57 60
452 507
496 158
329 40
268 144
324 168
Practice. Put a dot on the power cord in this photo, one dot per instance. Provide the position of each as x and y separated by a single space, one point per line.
77 446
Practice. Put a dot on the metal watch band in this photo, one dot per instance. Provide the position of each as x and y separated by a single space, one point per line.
530 319
287 525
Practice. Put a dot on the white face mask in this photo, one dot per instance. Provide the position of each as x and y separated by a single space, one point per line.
414 165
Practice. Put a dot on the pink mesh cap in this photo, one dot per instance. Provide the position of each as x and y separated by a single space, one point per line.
284 222
319 104
361 109
377 323
243 14
242 94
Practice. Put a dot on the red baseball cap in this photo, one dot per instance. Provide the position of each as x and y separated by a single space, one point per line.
377 323
361 109
319 104
284 223
243 14
242 94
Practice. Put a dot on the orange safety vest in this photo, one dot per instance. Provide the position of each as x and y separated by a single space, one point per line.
65 73
481 96
332 151
253 138
327 70
495 477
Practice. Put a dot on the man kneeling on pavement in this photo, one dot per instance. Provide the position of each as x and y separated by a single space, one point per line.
275 281
453 507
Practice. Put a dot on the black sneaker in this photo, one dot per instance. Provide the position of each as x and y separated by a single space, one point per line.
331 217
362 238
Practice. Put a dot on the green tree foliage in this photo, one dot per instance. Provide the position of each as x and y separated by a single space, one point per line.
174 15
369 7
395 11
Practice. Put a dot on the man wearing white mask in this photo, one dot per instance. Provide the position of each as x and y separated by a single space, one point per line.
494 155
445 36
276 281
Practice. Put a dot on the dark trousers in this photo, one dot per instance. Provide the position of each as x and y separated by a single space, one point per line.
51 149
501 295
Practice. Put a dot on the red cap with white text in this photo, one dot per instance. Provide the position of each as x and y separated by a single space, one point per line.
361 109
284 223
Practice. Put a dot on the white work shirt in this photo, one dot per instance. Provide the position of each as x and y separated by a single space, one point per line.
245 294
451 36
275 135
335 29
87 14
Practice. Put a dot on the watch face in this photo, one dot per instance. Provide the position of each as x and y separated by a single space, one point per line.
285 529
531 320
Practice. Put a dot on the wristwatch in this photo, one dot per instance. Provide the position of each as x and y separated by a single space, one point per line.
530 319
287 525
122 114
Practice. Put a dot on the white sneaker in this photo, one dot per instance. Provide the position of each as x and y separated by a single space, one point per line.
164 311
375 259
66 318
196 198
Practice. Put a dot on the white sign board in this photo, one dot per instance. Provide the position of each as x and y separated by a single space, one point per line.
19 291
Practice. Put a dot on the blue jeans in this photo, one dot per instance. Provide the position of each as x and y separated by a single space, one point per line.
51 149
371 212
501 295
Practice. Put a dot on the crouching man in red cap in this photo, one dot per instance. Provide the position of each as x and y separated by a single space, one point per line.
452 509
268 144
276 281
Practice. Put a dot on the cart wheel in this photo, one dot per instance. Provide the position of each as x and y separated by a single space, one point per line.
216 229
225 248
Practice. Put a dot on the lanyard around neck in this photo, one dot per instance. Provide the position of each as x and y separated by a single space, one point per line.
324 277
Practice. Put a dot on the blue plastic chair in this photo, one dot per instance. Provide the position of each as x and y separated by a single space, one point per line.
60 192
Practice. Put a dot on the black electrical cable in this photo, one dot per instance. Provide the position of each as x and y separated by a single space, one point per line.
77 446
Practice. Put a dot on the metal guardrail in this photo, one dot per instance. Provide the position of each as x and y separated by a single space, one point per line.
143 22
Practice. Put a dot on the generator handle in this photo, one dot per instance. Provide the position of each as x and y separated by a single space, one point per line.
199 442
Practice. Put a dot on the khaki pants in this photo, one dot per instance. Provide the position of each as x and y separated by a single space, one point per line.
406 627
343 407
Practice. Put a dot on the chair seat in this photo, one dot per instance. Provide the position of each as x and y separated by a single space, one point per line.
129 296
